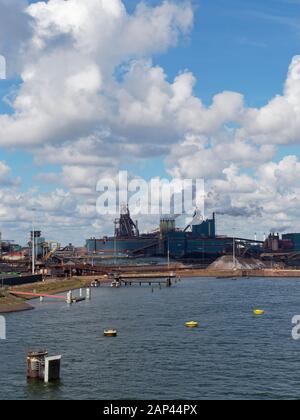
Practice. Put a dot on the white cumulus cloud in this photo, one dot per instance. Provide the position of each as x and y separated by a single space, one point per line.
91 99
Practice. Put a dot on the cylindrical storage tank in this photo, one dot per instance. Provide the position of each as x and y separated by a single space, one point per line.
275 244
166 226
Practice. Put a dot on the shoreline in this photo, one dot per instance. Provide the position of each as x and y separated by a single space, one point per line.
11 304
15 308
240 273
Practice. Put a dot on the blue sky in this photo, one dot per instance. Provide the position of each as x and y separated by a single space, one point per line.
243 46
240 46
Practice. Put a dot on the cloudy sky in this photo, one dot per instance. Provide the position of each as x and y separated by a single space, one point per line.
203 89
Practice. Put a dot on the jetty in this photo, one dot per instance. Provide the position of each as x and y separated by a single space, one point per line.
146 279
36 295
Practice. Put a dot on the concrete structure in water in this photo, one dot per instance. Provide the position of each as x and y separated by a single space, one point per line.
43 368
36 365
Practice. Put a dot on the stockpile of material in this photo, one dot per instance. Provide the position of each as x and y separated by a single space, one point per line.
226 263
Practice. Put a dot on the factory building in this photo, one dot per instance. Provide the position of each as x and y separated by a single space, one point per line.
198 241
294 239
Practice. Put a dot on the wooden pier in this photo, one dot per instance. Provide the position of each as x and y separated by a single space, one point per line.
130 280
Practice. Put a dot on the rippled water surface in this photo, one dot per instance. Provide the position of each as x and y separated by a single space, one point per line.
232 355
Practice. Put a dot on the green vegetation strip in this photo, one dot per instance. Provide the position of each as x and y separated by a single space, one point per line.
52 286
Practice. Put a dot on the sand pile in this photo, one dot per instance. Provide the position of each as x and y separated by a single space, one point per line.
226 263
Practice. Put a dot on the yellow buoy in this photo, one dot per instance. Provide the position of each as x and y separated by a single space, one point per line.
110 333
191 324
259 312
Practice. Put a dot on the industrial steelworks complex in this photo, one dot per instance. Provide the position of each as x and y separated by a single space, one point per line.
198 242
198 245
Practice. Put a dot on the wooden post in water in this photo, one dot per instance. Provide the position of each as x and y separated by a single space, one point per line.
69 298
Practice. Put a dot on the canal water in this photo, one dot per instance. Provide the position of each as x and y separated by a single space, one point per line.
231 355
